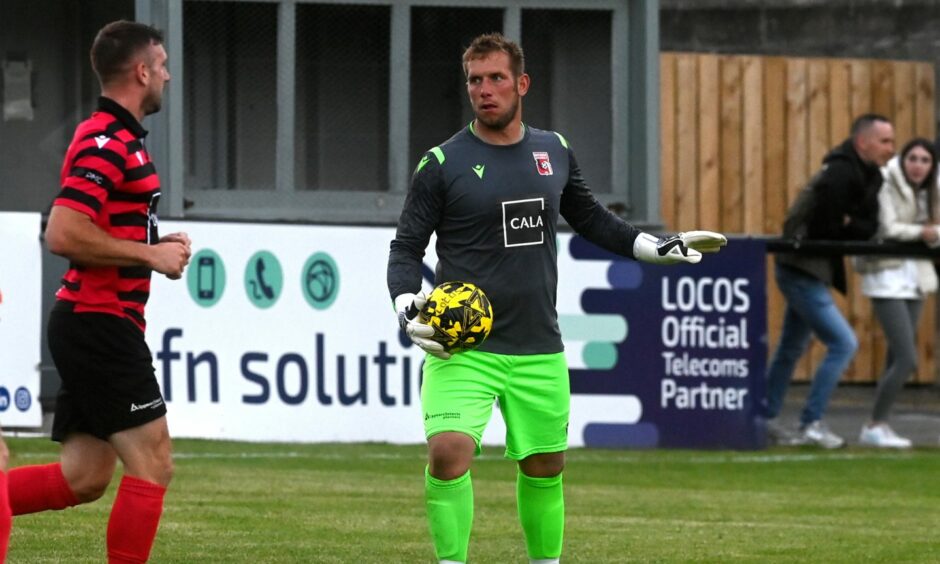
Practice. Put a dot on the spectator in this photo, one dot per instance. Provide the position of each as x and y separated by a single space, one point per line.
840 203
897 286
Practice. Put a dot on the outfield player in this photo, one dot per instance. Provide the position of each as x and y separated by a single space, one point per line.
104 221
493 193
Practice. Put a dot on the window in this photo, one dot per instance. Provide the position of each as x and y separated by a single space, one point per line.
319 111
230 69
439 103
342 97
568 57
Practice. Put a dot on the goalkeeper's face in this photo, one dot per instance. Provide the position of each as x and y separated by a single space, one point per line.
495 93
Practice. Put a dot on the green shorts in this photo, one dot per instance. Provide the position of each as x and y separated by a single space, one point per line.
533 393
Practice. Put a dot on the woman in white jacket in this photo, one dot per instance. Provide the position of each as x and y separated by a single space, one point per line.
898 286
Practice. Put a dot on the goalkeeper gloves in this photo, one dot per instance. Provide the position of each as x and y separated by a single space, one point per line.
412 323
684 247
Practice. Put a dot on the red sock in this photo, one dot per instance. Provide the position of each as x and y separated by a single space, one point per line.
38 488
6 520
134 520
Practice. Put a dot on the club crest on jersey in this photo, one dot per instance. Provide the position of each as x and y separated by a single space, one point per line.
542 163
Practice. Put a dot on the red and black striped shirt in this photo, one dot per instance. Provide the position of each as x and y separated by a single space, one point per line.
108 175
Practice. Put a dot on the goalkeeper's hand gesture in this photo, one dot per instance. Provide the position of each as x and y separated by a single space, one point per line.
408 307
683 247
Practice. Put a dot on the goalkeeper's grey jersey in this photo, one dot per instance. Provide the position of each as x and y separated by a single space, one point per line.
495 210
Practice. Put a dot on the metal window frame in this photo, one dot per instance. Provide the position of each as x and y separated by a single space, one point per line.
634 101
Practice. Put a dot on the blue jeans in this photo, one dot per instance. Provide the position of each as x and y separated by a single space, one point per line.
810 309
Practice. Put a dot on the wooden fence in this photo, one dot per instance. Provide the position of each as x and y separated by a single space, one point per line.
741 135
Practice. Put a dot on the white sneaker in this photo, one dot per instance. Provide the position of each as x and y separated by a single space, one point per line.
817 433
882 436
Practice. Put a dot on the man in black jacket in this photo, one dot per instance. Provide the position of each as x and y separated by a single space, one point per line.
840 203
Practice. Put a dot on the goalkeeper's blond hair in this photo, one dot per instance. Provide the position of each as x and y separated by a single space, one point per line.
488 43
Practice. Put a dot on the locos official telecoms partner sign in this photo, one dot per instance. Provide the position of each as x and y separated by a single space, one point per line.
287 333
20 319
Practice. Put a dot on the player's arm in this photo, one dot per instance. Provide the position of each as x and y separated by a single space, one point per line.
890 225
835 214
420 215
590 219
424 206
72 231
600 226
73 235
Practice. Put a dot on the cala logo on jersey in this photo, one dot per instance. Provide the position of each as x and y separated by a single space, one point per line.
523 222
542 164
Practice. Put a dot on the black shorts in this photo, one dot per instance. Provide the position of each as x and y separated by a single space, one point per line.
108 380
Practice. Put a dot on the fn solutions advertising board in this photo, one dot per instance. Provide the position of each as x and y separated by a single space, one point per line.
287 333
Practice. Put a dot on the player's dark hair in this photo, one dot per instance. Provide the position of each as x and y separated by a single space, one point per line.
117 44
863 122
930 182
488 43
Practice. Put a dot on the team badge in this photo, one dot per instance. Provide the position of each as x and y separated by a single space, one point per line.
542 163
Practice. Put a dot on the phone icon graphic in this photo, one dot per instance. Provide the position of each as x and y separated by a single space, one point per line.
264 279
258 283
205 278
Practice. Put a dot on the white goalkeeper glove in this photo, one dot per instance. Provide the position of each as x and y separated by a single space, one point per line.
683 247
408 307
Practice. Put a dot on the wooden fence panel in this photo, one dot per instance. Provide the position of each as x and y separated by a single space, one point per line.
840 111
924 121
668 164
752 130
882 91
775 180
731 198
709 127
904 102
752 134
686 139
924 104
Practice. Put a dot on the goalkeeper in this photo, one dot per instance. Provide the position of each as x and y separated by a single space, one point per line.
493 193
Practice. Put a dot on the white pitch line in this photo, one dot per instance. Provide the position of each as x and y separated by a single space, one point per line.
748 459
574 457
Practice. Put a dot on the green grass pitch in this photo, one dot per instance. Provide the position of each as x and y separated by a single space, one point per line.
249 502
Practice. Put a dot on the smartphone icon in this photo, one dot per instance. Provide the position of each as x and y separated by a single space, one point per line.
205 278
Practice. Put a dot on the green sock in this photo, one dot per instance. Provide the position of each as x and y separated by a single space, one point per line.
450 515
541 503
